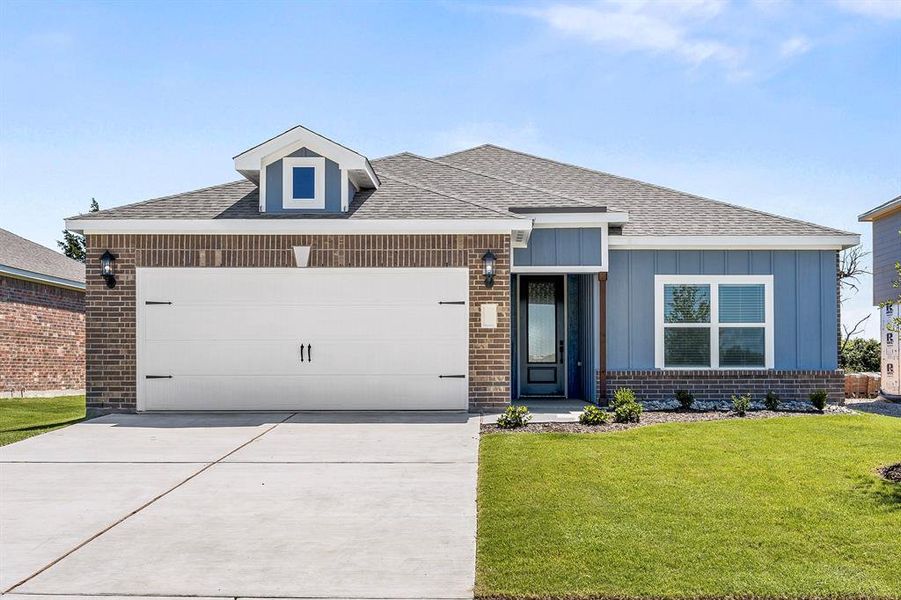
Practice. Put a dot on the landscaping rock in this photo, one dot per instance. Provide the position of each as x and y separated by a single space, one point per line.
726 406
647 418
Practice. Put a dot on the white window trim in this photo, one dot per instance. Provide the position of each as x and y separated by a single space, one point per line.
288 165
714 281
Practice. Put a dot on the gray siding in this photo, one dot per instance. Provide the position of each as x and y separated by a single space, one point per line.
886 251
565 247
804 286
274 197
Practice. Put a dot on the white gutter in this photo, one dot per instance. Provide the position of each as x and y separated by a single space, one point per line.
297 226
577 220
734 242
41 278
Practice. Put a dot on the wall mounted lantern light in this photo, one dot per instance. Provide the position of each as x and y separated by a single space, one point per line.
106 268
489 260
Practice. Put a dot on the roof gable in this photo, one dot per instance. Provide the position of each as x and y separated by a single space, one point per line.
252 161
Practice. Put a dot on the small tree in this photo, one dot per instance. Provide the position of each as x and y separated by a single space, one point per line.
860 355
73 244
850 269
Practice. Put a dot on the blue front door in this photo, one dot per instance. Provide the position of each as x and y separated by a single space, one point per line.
541 335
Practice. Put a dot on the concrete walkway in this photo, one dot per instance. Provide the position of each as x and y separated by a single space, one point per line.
305 505
547 411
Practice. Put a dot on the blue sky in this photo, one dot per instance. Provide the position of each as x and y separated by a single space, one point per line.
788 107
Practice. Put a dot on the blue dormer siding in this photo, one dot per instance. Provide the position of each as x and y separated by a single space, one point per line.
562 247
275 193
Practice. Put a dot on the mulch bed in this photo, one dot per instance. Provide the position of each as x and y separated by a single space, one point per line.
648 418
892 472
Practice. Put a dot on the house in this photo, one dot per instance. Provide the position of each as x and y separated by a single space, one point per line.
42 345
886 220
324 280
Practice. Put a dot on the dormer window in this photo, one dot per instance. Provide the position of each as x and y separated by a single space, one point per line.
303 182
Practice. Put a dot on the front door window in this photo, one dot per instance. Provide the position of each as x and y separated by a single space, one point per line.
542 326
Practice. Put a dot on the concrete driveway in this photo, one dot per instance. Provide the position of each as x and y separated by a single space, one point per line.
304 505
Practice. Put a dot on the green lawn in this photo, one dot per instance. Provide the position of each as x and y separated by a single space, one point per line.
25 417
786 507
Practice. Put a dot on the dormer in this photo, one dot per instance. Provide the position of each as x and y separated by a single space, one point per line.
301 171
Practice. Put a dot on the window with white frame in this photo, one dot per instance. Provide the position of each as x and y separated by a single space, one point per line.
303 182
714 322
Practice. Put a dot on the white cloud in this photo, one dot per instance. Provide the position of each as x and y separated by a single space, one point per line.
643 26
877 9
794 46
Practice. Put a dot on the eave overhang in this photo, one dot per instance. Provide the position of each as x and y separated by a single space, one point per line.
298 226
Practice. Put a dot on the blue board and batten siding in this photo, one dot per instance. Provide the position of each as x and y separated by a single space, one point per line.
274 192
569 247
804 289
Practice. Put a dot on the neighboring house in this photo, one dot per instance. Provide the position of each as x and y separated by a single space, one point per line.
42 344
323 280
886 220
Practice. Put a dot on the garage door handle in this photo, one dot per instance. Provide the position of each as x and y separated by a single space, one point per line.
452 302
301 352
158 376
452 376
309 353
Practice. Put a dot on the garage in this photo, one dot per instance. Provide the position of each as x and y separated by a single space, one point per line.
302 339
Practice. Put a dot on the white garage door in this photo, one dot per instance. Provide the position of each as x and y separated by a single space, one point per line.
302 339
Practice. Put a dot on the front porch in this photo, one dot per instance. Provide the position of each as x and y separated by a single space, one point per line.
557 338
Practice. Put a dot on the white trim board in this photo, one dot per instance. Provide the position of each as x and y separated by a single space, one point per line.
298 226
317 163
714 281
570 220
734 242
558 270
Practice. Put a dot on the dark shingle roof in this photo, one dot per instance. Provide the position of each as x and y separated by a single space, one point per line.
25 255
484 183
653 210
394 199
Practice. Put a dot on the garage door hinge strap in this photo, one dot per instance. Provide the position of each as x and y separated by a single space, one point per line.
155 302
452 376
452 302
158 376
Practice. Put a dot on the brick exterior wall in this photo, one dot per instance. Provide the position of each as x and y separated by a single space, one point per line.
42 343
709 386
111 312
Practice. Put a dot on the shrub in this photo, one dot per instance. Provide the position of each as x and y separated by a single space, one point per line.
741 404
860 356
513 417
685 399
623 396
628 412
625 408
818 399
771 401
594 415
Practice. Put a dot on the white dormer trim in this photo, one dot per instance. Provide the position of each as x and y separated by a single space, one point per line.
288 165
252 163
